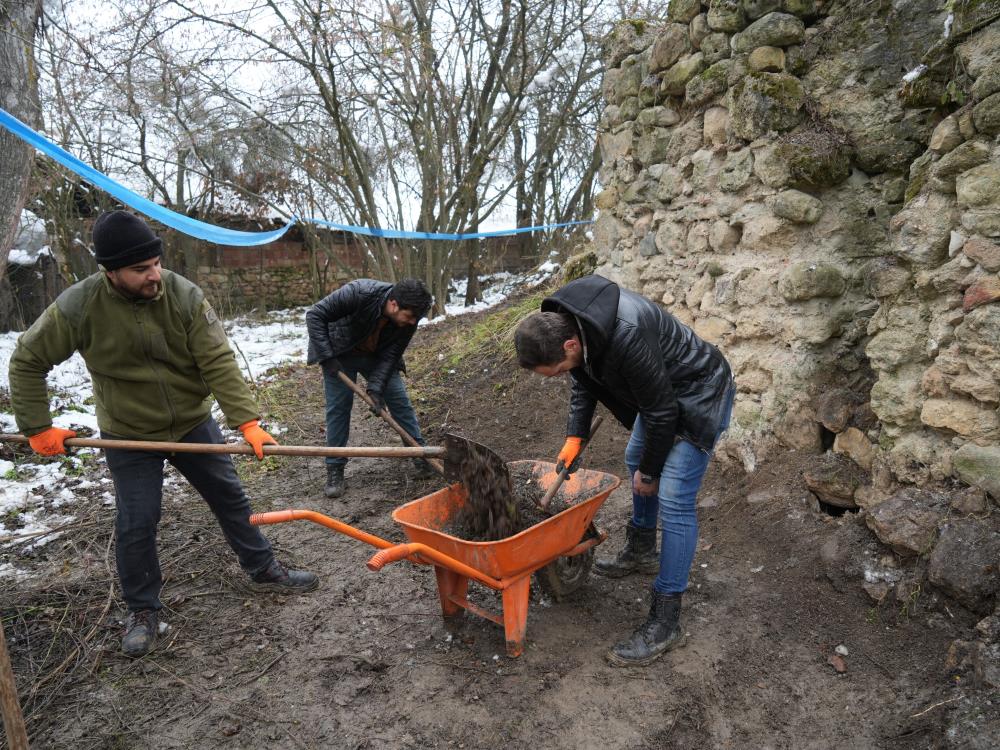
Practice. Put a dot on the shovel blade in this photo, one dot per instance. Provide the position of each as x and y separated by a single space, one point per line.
461 452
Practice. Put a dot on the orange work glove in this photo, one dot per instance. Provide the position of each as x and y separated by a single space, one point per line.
569 456
50 441
254 434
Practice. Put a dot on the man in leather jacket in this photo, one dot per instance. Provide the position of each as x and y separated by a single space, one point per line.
365 326
674 391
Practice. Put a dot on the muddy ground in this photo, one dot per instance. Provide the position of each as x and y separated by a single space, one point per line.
366 662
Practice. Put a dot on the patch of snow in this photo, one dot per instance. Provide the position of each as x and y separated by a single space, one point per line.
915 73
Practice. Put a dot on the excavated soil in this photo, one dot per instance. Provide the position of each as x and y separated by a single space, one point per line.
367 662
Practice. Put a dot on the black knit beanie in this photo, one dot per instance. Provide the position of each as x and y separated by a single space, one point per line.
123 239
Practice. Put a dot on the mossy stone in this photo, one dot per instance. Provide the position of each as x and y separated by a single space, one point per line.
762 102
816 157
708 84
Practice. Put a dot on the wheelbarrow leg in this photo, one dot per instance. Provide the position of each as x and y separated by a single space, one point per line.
451 586
515 614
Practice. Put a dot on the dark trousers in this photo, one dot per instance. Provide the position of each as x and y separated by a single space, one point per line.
138 477
340 399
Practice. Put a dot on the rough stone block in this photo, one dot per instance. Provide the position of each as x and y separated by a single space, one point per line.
707 85
726 15
979 466
965 563
676 77
797 206
736 171
683 11
767 59
715 126
963 417
946 136
834 480
982 292
984 252
671 43
715 47
853 443
773 30
907 521
986 115
698 30
762 102
804 280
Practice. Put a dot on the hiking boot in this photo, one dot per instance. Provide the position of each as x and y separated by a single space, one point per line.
422 469
334 481
276 577
141 631
638 556
659 634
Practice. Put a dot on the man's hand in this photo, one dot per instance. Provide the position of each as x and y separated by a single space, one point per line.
569 456
378 401
254 434
645 485
50 442
331 367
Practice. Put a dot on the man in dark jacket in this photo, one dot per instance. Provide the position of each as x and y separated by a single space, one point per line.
157 353
365 326
674 391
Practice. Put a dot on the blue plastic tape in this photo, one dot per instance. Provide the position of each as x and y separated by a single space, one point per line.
220 235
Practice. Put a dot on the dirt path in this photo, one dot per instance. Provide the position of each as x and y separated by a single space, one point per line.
366 662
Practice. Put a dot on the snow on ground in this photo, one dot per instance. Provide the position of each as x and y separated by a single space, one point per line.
37 497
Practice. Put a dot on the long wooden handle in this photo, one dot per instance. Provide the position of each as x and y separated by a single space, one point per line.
13 719
419 451
407 437
551 493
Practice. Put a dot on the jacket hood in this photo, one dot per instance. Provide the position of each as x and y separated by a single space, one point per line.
593 300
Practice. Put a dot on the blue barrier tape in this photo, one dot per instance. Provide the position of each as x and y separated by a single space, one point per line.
220 235
200 229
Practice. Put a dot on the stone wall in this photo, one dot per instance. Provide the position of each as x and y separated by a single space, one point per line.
757 159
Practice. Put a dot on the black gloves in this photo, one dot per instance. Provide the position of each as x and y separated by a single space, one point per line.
379 402
331 367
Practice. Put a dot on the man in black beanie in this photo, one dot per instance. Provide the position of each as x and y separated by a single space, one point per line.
156 351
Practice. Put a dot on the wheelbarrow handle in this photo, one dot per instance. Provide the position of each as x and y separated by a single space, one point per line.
551 492
402 551
384 413
282 516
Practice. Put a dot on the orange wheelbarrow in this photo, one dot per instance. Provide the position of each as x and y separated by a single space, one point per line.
559 549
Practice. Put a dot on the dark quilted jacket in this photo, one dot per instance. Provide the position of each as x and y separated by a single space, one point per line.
346 317
639 359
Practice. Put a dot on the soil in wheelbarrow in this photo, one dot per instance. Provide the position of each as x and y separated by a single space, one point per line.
496 509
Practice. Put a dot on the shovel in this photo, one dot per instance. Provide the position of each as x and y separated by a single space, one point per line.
543 503
455 452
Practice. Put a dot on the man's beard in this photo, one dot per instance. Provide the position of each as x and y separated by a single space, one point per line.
147 290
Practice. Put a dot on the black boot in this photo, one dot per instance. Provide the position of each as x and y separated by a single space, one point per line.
638 556
141 632
276 577
334 481
659 634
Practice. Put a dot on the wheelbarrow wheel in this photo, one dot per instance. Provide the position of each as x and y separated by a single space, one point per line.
564 575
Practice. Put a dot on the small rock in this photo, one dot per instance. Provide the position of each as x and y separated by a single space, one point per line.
841 650
946 136
797 206
837 662
767 59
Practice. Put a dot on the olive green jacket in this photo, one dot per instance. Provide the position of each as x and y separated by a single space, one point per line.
154 363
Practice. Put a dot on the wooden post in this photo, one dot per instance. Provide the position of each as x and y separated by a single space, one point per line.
13 720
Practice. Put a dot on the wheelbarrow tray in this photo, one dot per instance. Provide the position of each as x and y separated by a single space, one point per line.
583 492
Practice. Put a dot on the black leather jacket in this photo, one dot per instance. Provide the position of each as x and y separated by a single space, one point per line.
639 359
346 317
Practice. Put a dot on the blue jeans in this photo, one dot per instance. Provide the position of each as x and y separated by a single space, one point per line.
138 477
340 400
680 480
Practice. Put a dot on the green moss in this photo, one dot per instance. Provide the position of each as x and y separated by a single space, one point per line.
638 25
579 265
714 269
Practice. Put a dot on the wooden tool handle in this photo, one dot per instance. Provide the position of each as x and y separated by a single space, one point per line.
419 451
551 493
407 437
10 708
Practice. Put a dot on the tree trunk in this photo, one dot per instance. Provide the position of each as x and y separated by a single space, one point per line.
19 96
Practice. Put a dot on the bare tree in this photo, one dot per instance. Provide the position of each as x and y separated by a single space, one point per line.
18 95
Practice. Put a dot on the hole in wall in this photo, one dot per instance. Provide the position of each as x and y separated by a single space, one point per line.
834 510
826 437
